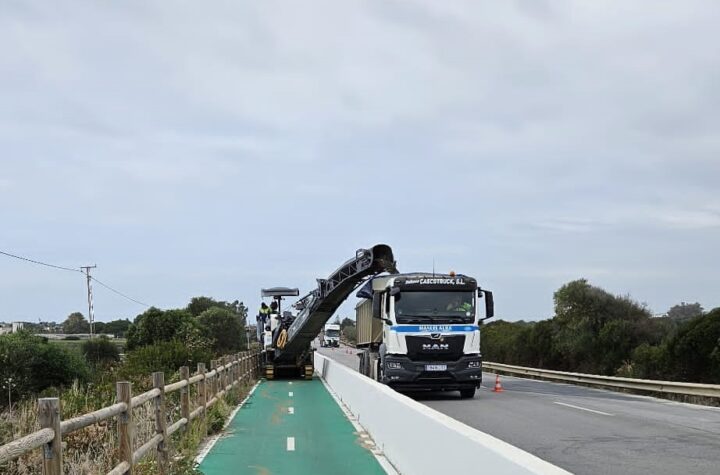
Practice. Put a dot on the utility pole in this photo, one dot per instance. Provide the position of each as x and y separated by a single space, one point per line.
91 315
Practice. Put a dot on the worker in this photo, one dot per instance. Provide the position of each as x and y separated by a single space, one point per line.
262 318
274 306
458 305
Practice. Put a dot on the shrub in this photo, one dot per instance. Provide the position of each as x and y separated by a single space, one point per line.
34 364
100 351
166 356
350 333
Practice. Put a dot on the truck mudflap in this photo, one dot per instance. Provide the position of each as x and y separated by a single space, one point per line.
401 372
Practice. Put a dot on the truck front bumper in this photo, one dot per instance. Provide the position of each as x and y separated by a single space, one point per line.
403 373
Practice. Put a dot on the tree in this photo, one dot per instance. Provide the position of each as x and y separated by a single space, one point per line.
225 328
117 327
347 322
76 323
155 325
684 311
695 350
198 305
582 312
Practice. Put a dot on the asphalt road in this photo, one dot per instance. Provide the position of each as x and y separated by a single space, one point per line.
583 430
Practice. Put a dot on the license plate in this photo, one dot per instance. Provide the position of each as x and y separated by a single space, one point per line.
435 367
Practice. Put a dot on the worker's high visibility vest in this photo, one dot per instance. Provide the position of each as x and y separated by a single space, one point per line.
265 311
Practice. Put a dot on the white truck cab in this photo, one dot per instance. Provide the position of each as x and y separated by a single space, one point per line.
331 335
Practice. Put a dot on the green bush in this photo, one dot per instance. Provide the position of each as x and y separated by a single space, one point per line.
695 350
34 364
350 334
71 338
166 356
100 351
224 328
157 325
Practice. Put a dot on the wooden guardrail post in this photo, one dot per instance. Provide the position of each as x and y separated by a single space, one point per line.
202 390
126 431
245 365
213 367
49 418
161 422
226 372
185 397
241 367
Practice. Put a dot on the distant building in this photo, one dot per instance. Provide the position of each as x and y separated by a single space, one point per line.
13 327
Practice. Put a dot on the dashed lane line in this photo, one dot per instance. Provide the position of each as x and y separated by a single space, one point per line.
583 408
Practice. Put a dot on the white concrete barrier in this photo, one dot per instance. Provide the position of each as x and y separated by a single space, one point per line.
419 440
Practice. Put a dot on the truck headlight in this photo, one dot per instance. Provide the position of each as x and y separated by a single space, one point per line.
474 364
393 365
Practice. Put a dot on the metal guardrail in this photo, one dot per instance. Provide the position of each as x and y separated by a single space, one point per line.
212 385
668 387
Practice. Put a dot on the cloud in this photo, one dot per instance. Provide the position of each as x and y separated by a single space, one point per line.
516 138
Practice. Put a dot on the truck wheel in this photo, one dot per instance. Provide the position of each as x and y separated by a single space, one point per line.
467 393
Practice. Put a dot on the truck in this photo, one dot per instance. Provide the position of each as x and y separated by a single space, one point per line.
330 336
421 331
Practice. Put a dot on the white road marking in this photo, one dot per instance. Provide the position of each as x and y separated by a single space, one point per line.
583 408
290 394
291 444
289 382
291 410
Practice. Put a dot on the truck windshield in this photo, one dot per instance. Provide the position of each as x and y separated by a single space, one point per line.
435 307
332 333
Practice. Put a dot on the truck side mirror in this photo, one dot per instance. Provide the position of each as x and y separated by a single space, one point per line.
489 305
395 292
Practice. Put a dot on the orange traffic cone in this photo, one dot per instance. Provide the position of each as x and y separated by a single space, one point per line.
498 387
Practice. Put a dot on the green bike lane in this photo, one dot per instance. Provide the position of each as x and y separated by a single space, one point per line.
290 427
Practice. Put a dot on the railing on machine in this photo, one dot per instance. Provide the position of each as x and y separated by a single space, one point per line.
318 306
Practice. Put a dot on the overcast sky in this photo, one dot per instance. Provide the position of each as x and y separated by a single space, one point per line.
213 148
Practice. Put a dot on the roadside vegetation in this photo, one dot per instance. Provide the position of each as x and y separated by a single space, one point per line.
594 331
83 374
348 330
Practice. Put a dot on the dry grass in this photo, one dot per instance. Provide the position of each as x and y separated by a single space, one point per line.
93 450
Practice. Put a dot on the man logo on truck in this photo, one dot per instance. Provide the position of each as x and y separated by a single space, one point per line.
435 346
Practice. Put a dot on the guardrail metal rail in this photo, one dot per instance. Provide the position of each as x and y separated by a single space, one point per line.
650 385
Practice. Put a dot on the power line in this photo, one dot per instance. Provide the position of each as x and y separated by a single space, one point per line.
40 263
74 270
119 293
